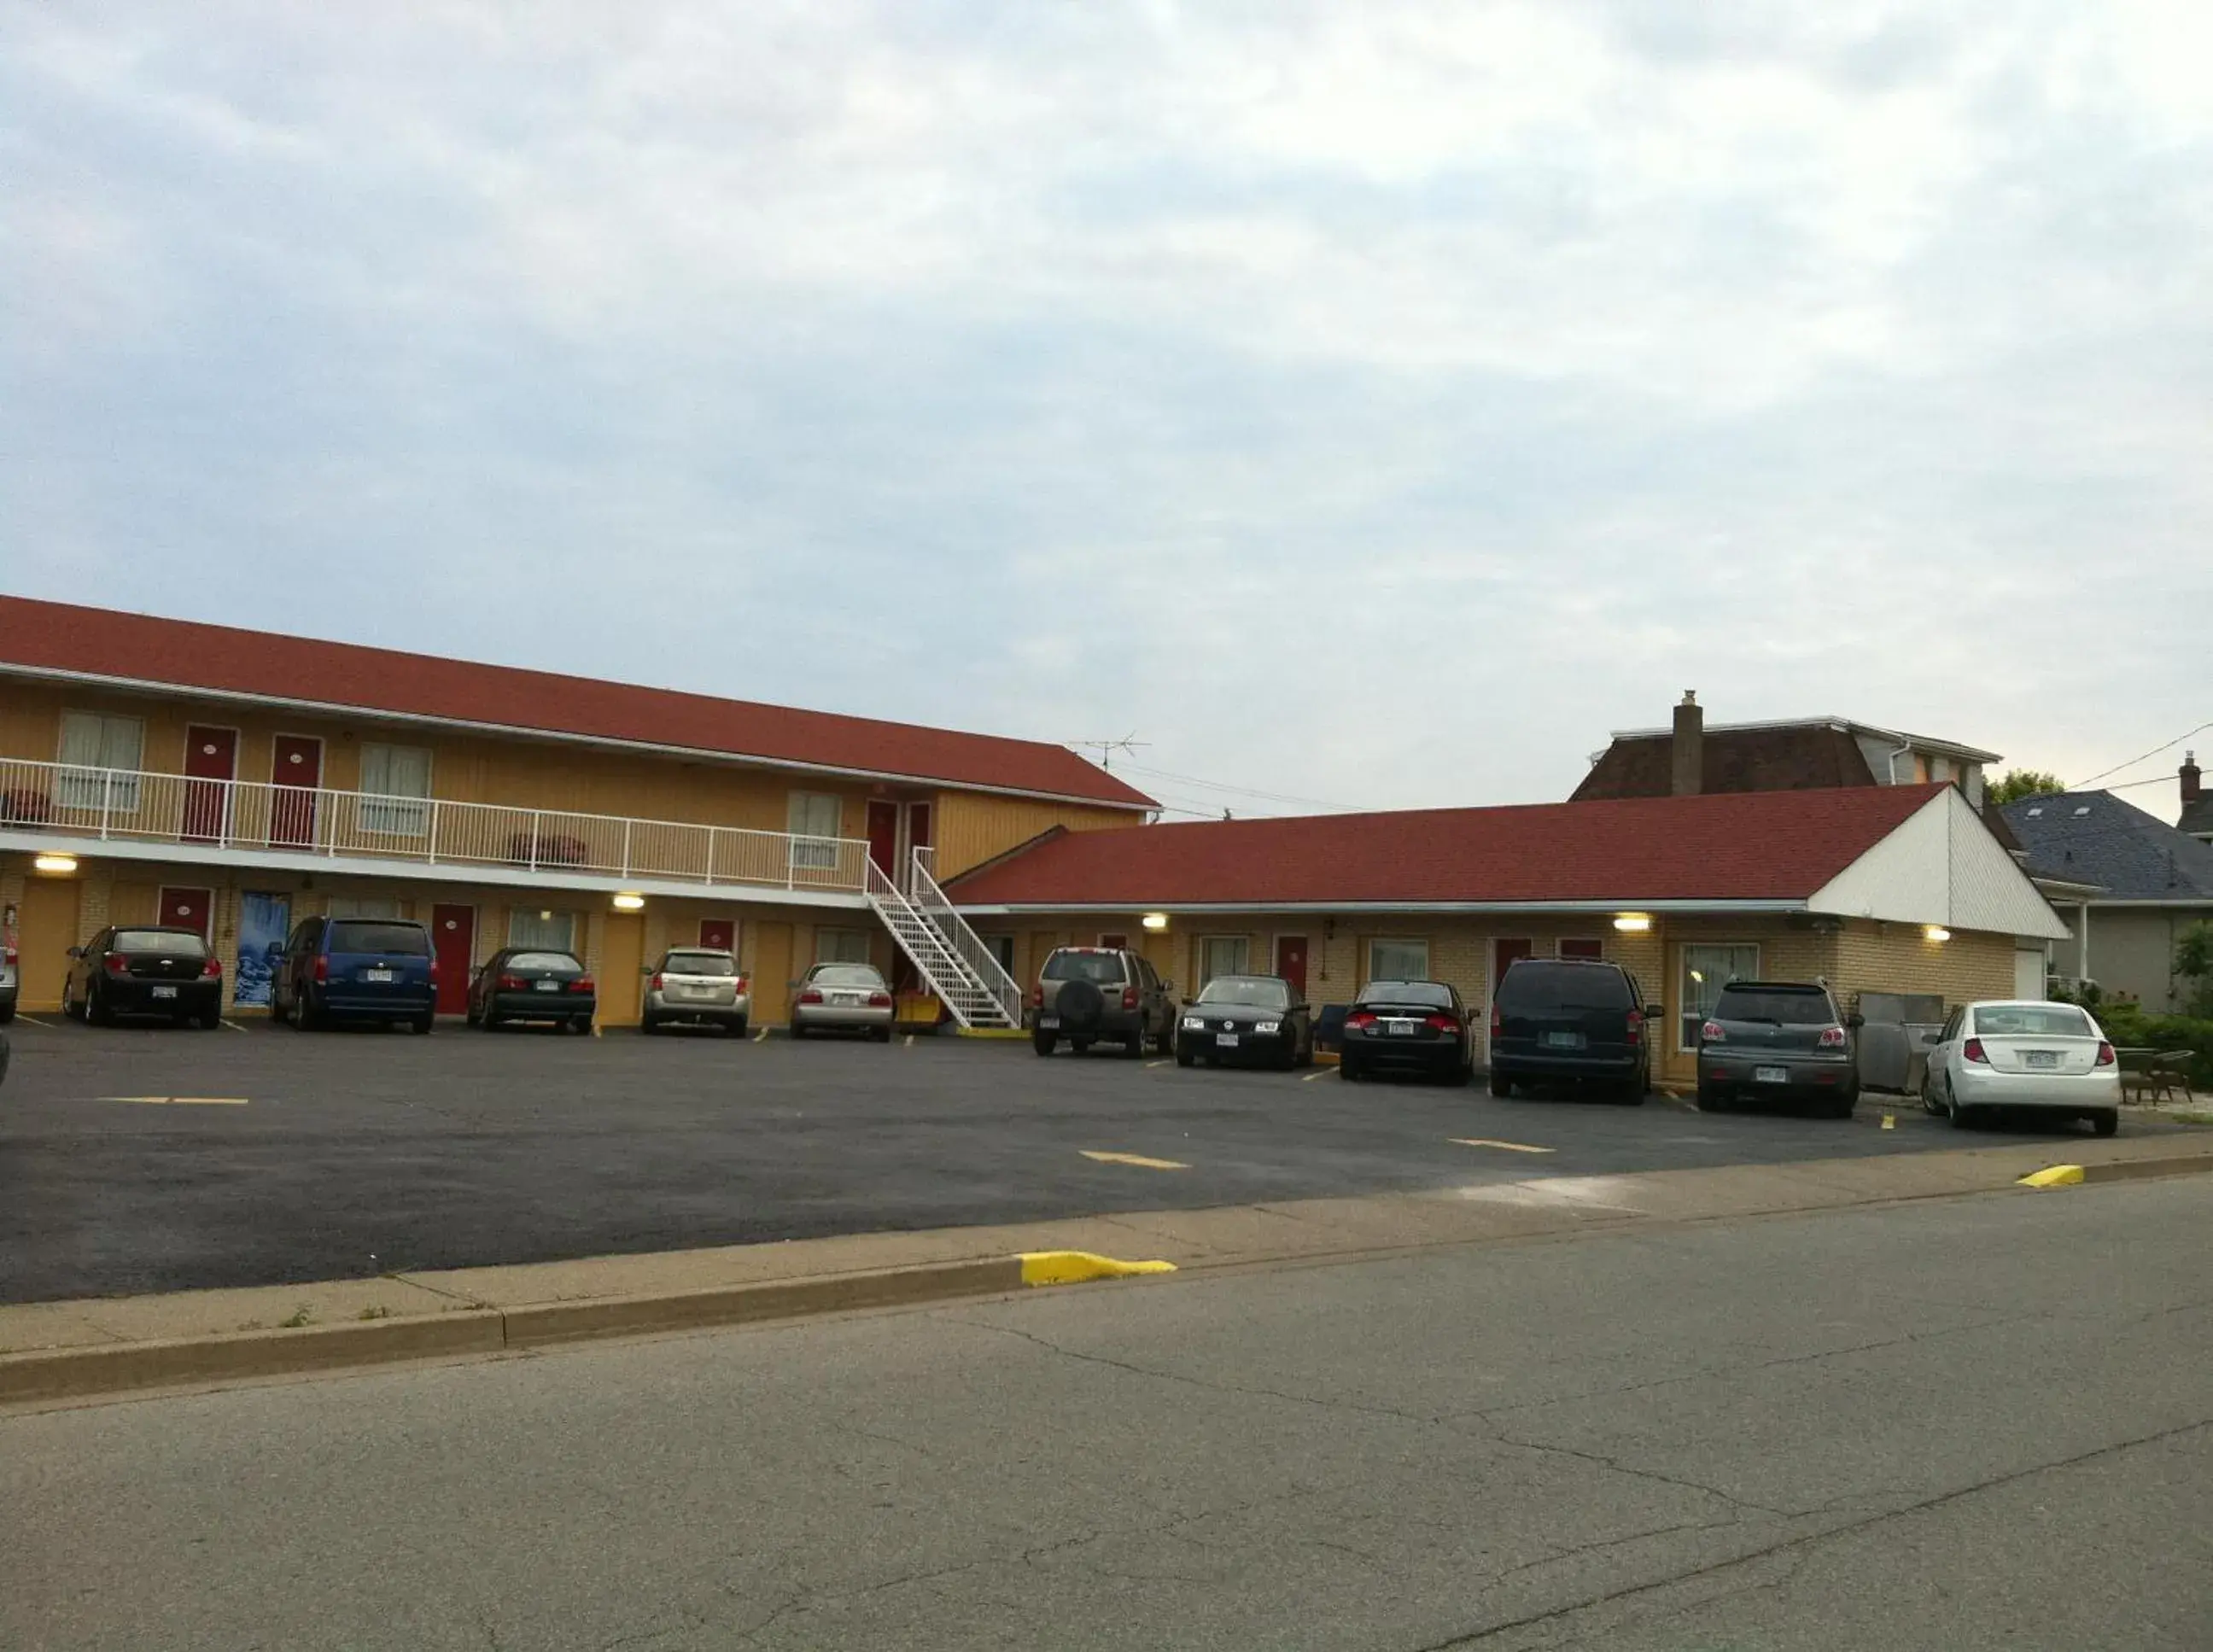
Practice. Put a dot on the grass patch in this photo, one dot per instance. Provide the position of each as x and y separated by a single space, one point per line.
301 1315
380 1312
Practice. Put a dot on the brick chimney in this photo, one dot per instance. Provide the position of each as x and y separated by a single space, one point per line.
1690 746
2191 791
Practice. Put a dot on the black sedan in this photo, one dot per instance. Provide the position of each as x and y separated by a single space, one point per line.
144 970
1407 1027
1238 1018
531 984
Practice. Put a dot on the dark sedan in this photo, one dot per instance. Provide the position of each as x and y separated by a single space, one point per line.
1239 1018
1407 1027
144 970
532 984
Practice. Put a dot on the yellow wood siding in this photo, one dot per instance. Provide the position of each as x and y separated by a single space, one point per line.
973 827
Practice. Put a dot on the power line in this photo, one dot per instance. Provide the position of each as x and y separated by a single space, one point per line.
1244 791
2080 784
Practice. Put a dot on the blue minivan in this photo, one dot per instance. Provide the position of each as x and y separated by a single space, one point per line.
368 968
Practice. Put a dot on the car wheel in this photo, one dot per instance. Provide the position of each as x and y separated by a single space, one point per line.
1501 1086
2107 1122
424 1024
581 1024
488 1021
304 1012
1165 1042
1840 1106
735 1027
1348 1070
1962 1117
1631 1093
1183 1057
1134 1048
647 1026
1080 1046
1711 1099
1043 1043
882 1035
96 1012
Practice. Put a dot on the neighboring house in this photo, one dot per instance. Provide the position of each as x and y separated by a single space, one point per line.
2151 883
153 770
2197 803
1808 753
1878 889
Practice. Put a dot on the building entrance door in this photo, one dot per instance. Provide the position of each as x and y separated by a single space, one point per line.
210 765
1291 963
883 837
296 766
454 940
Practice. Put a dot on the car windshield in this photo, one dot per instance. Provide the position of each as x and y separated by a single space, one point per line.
1262 991
1784 1006
356 935
2035 1021
1421 992
1565 986
1103 968
847 975
698 963
178 943
543 960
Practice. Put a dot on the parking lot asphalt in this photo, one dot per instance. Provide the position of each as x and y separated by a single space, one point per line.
139 1159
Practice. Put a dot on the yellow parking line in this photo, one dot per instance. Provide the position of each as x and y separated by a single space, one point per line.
1136 1159
31 1020
1503 1147
761 1037
910 1040
1319 1072
1151 1064
180 1100
234 1027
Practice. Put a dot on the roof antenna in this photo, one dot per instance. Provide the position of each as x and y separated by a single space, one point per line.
1106 748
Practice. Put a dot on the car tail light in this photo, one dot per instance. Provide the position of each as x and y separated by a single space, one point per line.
118 965
6 954
512 984
1361 1019
1635 1034
1037 997
1128 998
212 969
1498 1022
1832 1038
880 1001
811 996
322 969
583 984
744 986
1974 1051
654 983
1713 1032
1442 1023
2106 1057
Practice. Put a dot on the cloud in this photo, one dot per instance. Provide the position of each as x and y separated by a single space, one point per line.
1378 402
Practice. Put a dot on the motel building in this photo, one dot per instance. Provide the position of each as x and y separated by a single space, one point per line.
235 782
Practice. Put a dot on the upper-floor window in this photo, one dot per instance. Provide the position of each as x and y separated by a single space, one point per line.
396 780
815 817
94 741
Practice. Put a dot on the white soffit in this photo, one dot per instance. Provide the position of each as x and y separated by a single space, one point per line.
1941 866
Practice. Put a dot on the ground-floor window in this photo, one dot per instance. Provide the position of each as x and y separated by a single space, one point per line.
555 931
841 946
1001 947
364 906
1224 954
1397 958
1575 946
1706 969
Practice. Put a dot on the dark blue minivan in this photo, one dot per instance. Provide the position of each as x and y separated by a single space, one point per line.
365 968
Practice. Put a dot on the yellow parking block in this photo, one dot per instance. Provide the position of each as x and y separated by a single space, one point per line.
1076 1267
2058 1175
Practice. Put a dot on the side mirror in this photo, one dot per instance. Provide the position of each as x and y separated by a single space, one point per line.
76 951
1654 1012
1167 986
1855 1021
645 969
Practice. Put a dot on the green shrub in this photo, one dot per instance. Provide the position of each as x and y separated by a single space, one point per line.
2126 1023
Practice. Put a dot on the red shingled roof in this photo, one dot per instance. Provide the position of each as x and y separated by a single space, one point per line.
181 654
1780 845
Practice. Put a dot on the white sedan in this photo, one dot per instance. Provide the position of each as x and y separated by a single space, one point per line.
2017 1053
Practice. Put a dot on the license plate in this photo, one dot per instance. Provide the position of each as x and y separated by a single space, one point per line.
1564 1040
1227 1040
376 975
165 992
535 986
1399 1029
1048 1022
845 997
2040 1057
1771 1075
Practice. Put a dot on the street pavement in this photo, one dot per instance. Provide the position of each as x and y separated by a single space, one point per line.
1958 1424
140 1159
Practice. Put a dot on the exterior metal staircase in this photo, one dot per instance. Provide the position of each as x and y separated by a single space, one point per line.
951 958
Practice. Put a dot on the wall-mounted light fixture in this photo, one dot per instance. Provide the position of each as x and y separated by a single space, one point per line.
627 902
60 865
1632 924
1934 932
1156 921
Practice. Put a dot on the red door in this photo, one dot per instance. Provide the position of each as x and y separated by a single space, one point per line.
720 933
211 764
296 767
1291 963
190 909
883 835
1507 952
454 939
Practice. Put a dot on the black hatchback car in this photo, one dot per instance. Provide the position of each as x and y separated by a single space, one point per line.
1571 1020
1240 1018
1778 1040
144 969
1407 1027
532 984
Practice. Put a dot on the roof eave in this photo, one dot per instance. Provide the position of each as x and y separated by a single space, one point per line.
1323 908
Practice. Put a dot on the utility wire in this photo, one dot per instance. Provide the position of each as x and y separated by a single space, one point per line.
1239 791
2080 784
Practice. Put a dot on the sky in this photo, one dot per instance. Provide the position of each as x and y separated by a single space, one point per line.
1361 404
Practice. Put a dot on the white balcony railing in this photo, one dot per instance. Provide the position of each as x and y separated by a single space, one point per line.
117 804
